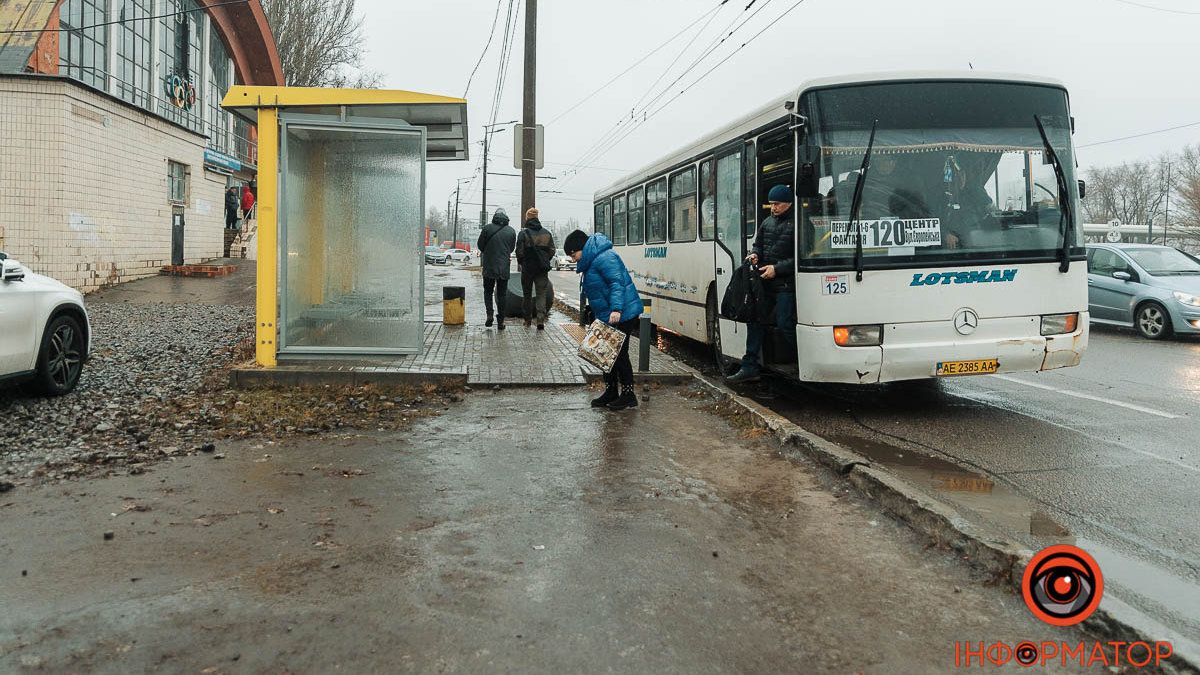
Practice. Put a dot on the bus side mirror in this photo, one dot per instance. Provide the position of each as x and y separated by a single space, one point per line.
807 184
1082 189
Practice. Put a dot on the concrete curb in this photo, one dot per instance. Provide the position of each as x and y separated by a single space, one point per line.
983 548
256 378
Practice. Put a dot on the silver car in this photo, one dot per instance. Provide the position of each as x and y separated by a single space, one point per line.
1154 289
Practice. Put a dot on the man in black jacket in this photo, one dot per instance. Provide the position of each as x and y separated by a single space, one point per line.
774 253
495 245
535 249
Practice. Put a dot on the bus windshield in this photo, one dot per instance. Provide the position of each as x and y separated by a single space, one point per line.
958 171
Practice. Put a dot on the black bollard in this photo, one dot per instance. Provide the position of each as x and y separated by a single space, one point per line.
644 339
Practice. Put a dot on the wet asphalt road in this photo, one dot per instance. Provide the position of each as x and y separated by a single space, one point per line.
1105 456
522 531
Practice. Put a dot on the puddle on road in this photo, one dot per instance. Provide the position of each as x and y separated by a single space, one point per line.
974 491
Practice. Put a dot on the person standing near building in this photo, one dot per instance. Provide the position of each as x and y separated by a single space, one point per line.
495 245
535 250
615 300
247 201
773 253
231 217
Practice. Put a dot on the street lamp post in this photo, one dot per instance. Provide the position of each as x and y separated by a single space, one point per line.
487 132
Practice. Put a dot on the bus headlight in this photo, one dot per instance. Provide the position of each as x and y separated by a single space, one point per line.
1058 324
1187 299
858 336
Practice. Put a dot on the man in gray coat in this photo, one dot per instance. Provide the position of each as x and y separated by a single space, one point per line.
495 245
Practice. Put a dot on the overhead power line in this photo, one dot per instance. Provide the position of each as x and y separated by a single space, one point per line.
1146 133
635 64
491 36
646 115
639 114
1157 9
120 21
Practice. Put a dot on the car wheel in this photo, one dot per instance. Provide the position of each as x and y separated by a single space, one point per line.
1152 321
60 360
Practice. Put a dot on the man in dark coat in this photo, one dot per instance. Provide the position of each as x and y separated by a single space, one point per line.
535 250
231 217
774 254
495 245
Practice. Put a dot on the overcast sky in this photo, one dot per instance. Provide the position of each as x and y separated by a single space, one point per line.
1130 68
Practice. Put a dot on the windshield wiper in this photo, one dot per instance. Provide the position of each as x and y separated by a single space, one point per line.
856 204
1067 214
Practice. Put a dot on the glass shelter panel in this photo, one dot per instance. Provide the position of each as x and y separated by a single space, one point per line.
353 240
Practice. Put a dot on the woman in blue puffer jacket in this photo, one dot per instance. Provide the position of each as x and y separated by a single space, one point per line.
615 301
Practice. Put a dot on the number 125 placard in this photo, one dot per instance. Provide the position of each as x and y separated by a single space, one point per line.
835 284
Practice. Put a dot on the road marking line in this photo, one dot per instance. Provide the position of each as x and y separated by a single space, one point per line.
1090 397
1060 425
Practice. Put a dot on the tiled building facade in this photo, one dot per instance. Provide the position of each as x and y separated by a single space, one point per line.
114 153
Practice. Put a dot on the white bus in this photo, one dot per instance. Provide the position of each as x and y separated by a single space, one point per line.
968 259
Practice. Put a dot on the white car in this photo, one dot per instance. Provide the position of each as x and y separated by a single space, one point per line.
458 255
45 336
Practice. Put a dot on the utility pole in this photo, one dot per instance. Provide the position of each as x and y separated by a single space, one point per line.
529 114
487 132
456 191
483 206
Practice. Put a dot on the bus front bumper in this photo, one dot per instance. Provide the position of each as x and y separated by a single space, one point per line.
912 351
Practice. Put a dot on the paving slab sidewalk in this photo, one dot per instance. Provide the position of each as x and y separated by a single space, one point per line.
521 531
470 354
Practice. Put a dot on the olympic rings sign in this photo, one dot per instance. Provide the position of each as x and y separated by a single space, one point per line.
181 91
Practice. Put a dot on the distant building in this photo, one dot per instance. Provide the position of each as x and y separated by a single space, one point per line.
114 151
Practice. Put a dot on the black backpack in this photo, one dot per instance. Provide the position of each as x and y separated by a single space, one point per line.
746 298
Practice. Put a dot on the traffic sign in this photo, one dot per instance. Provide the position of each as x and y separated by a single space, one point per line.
539 150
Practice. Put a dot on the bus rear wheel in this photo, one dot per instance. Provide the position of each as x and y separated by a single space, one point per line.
723 363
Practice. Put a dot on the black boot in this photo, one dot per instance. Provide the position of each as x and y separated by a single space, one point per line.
627 399
489 321
609 395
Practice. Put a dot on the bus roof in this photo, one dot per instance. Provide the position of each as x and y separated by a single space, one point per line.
775 109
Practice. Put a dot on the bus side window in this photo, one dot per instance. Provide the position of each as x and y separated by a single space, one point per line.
656 211
708 199
637 215
750 203
618 225
729 202
601 220
682 215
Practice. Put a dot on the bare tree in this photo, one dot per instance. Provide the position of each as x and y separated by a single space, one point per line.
320 43
435 219
1185 199
1134 192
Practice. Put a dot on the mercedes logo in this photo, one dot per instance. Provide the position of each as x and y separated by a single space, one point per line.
966 321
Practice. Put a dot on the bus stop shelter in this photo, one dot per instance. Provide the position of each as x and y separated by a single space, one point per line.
341 210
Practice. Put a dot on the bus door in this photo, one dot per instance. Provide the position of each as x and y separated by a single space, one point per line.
730 246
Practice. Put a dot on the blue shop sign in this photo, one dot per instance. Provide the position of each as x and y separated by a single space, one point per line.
221 160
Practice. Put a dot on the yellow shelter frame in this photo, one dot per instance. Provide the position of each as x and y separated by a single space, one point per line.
445 121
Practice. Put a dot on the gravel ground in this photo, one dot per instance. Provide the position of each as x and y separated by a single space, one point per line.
156 388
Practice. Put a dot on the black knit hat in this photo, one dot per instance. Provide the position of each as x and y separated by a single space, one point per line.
575 242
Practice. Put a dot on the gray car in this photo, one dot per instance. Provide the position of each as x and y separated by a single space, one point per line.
1154 289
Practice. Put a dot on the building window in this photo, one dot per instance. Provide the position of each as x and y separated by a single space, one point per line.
219 81
134 55
177 182
179 55
83 46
